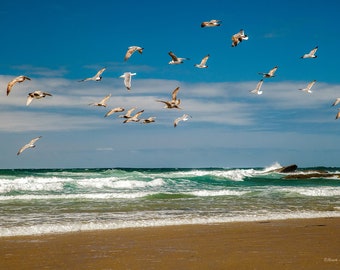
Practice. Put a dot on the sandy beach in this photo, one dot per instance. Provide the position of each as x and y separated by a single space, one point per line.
279 244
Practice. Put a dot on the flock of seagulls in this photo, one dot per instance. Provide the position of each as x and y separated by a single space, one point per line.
174 102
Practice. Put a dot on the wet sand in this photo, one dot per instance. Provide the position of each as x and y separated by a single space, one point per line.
281 244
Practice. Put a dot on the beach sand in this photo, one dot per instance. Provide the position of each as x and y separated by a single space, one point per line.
279 244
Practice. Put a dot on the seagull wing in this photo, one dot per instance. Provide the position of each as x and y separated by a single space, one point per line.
18 79
312 52
173 56
204 60
29 100
100 72
174 94
272 71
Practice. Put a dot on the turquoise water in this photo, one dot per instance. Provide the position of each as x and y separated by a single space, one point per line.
64 200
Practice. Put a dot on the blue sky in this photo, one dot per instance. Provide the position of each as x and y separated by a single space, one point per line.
58 43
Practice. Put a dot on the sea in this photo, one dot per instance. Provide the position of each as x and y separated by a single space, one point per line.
44 201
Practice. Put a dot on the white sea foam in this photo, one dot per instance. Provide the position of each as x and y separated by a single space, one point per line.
209 193
31 184
315 191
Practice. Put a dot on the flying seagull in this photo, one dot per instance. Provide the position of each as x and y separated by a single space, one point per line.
270 74
102 102
311 54
127 79
18 79
258 90
149 120
203 63
36 95
174 102
97 77
128 113
31 144
238 37
134 118
131 50
176 60
184 117
114 110
308 87
336 102
211 23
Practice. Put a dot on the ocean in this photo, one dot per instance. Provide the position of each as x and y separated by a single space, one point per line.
40 201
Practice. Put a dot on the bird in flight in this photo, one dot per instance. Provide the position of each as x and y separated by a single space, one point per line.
31 144
97 77
18 79
174 102
336 102
238 37
149 120
134 118
127 79
36 95
258 90
176 60
338 114
131 50
311 54
269 74
102 102
308 87
184 117
203 63
211 23
114 110
127 114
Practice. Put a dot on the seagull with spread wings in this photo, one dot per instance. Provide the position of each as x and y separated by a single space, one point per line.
127 79
18 79
114 110
134 118
131 50
36 95
31 144
308 87
174 102
311 54
238 37
149 120
184 117
269 74
128 113
211 23
102 102
176 60
97 77
257 89
203 63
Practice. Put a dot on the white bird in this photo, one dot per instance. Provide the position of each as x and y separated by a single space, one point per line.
258 90
18 79
269 74
211 23
338 114
336 102
36 95
134 118
131 50
238 37
102 102
31 144
174 102
203 63
97 77
311 54
308 87
149 120
184 117
127 79
114 110
127 114
176 60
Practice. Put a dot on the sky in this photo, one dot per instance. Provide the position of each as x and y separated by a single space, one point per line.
59 43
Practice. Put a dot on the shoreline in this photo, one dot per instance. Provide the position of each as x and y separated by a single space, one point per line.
304 243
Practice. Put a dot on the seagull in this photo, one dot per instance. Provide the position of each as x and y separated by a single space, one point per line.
257 90
18 79
338 114
134 118
97 77
311 54
131 50
270 74
336 102
174 102
176 60
211 23
31 144
36 95
102 102
184 117
128 113
114 110
308 88
203 63
238 37
149 120
127 79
